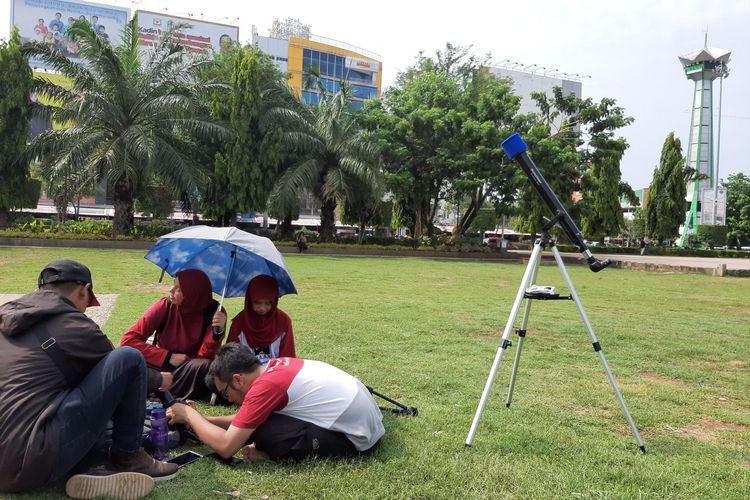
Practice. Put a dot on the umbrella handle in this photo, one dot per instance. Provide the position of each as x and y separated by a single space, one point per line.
217 332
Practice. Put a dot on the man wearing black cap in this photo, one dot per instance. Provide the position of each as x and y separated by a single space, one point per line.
61 381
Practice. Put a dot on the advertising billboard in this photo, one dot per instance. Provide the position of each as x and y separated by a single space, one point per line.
200 37
709 198
47 21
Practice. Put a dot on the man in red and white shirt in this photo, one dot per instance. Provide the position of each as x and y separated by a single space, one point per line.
290 409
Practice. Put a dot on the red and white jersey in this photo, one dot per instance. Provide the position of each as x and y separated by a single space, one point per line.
315 392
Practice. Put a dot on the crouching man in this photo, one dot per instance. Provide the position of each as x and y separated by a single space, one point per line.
290 409
61 381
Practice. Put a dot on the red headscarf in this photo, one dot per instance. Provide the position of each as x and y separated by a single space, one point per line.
268 327
184 330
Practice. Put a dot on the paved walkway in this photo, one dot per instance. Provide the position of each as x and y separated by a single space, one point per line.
100 314
707 262
718 266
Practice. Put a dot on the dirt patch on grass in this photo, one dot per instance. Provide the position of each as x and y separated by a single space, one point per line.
708 429
663 380
733 364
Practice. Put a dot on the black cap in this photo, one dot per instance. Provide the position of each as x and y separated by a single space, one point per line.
68 270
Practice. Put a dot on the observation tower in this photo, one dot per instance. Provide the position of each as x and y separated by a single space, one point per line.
703 66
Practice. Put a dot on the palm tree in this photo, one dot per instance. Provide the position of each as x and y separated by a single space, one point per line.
333 153
128 116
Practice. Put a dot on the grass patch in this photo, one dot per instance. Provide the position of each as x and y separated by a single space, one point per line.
425 331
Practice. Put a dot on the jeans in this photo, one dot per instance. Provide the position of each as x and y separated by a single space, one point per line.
115 389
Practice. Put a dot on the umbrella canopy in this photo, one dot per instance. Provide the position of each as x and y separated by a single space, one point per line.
209 249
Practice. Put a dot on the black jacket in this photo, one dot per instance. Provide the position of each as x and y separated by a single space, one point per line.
31 385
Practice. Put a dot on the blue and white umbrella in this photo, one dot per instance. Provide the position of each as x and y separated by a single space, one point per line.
229 256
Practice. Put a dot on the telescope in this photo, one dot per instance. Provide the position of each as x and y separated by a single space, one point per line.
516 149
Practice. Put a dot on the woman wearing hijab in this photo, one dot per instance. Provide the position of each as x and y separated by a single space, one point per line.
184 342
261 325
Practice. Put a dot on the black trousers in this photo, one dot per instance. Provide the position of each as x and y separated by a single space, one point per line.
287 438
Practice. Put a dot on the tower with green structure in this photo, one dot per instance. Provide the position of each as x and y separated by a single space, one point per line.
702 66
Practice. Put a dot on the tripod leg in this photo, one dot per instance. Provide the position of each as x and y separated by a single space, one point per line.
521 332
504 342
598 348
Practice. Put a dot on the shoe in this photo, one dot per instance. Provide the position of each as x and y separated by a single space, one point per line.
120 485
140 461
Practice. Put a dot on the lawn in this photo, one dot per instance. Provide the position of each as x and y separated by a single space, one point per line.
425 332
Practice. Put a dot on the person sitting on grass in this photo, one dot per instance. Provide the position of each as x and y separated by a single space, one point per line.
184 343
61 381
261 325
290 409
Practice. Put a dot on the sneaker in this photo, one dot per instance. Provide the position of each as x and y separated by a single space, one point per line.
106 483
140 461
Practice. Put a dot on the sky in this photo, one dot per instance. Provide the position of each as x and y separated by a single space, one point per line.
629 49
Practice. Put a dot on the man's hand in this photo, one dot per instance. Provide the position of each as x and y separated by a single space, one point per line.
220 320
177 359
177 413
166 381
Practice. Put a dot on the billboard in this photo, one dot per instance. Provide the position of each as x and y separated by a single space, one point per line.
47 21
200 38
709 198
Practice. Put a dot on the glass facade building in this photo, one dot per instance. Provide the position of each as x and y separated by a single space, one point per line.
335 62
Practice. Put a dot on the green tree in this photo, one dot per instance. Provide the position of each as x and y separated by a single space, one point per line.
602 198
129 116
365 207
738 209
486 220
574 146
66 186
553 139
414 124
665 206
17 189
479 170
246 169
333 153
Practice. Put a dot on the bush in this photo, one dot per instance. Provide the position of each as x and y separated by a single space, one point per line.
712 236
155 228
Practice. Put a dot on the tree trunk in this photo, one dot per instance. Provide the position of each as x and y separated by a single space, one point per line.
417 233
284 229
123 201
4 217
328 221
477 200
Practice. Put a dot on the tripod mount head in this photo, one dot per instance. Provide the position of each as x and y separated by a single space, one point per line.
516 149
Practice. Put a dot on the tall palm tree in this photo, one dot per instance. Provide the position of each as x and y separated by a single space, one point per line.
333 151
128 116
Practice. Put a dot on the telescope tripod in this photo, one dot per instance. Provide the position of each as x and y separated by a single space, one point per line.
526 291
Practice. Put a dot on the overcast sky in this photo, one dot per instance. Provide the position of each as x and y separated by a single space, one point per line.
629 48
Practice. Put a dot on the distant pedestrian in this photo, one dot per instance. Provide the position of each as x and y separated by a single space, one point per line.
302 242
645 243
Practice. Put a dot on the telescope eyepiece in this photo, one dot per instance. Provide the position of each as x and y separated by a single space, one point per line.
597 265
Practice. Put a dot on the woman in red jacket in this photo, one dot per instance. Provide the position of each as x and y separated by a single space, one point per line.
184 343
261 325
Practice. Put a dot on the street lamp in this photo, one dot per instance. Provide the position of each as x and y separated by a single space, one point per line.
723 71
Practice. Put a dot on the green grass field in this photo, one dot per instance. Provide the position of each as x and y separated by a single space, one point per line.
425 332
